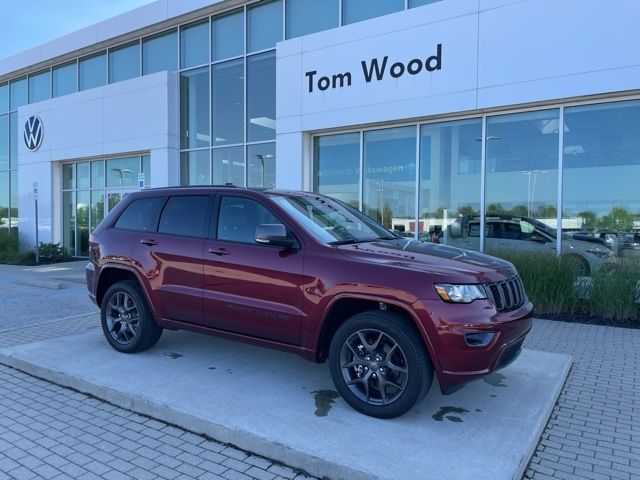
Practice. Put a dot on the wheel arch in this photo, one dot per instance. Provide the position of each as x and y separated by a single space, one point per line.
343 307
111 274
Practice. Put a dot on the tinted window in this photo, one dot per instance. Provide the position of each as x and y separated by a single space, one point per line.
4 98
124 63
264 25
418 3
358 10
160 53
140 214
65 79
227 36
185 216
194 44
93 71
240 217
39 86
18 93
310 16
261 97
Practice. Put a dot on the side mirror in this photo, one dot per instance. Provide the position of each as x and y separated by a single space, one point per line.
273 234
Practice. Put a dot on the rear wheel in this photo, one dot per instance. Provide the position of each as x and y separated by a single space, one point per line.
126 320
379 364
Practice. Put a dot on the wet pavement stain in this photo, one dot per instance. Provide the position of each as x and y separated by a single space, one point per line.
173 355
495 379
478 410
494 396
324 400
212 368
445 412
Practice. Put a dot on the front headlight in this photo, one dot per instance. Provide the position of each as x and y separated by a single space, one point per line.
460 293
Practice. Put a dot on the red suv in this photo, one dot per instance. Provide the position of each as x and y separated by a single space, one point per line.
307 274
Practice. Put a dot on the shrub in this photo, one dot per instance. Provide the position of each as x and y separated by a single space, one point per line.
555 288
53 252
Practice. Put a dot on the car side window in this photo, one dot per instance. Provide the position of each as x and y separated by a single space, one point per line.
185 215
239 218
511 231
141 214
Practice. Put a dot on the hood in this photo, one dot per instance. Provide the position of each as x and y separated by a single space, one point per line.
463 265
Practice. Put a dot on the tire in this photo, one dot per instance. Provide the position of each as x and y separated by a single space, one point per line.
358 379
135 333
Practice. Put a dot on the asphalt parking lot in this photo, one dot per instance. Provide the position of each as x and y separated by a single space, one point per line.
48 431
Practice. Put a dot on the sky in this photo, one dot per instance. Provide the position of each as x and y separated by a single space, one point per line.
27 23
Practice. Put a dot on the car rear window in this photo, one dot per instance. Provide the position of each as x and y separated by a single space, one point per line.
141 214
185 215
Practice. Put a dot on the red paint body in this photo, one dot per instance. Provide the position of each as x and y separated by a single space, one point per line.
280 298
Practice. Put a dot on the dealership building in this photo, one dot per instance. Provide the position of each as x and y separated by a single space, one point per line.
417 112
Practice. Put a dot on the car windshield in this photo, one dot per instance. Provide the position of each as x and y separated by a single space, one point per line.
542 226
331 221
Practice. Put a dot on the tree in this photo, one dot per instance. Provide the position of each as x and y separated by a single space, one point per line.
619 219
589 220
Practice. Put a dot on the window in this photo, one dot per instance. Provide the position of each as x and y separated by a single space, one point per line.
264 25
227 36
358 10
83 177
240 217
228 166
65 79
4 97
18 93
194 108
261 165
68 176
39 86
310 16
227 98
449 188
194 44
194 168
185 216
419 3
4 142
522 166
338 167
390 177
160 52
123 172
124 62
601 170
261 97
13 140
93 71
141 214
97 174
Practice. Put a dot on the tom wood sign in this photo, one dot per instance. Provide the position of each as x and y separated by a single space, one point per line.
376 70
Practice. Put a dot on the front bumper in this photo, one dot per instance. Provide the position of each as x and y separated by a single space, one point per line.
449 327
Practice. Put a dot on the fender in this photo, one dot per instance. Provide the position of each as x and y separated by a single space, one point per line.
389 301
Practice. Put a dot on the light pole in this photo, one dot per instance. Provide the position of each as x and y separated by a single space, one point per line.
262 157
120 172
531 187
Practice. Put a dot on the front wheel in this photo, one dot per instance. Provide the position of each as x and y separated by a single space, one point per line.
379 364
127 322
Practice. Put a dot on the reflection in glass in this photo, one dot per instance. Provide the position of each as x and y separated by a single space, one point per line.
358 10
39 86
123 172
124 62
4 97
194 108
14 202
228 166
97 208
264 25
521 178
82 175
5 216
4 142
97 174
65 79
82 222
261 97
69 221
227 35
450 157
93 71
68 176
338 166
18 94
194 168
146 169
160 53
390 177
13 140
309 16
261 165
601 171
113 198
227 98
418 3
194 44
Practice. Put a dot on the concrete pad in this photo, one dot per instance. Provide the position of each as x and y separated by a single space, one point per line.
40 283
285 408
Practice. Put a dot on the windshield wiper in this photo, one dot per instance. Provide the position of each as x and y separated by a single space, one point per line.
363 240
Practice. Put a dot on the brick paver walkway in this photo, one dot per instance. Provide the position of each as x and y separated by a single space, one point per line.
47 431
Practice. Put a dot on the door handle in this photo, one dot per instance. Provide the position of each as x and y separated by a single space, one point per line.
149 242
219 251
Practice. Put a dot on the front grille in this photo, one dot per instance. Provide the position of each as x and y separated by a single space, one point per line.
507 295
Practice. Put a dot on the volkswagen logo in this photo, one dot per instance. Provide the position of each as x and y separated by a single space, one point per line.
33 133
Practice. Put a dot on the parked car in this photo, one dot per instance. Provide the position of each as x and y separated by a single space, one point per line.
589 255
304 273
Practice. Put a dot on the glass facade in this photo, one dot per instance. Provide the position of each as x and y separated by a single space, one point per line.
10 94
39 86
124 62
310 16
527 187
264 25
160 52
92 71
65 79
358 10
85 188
